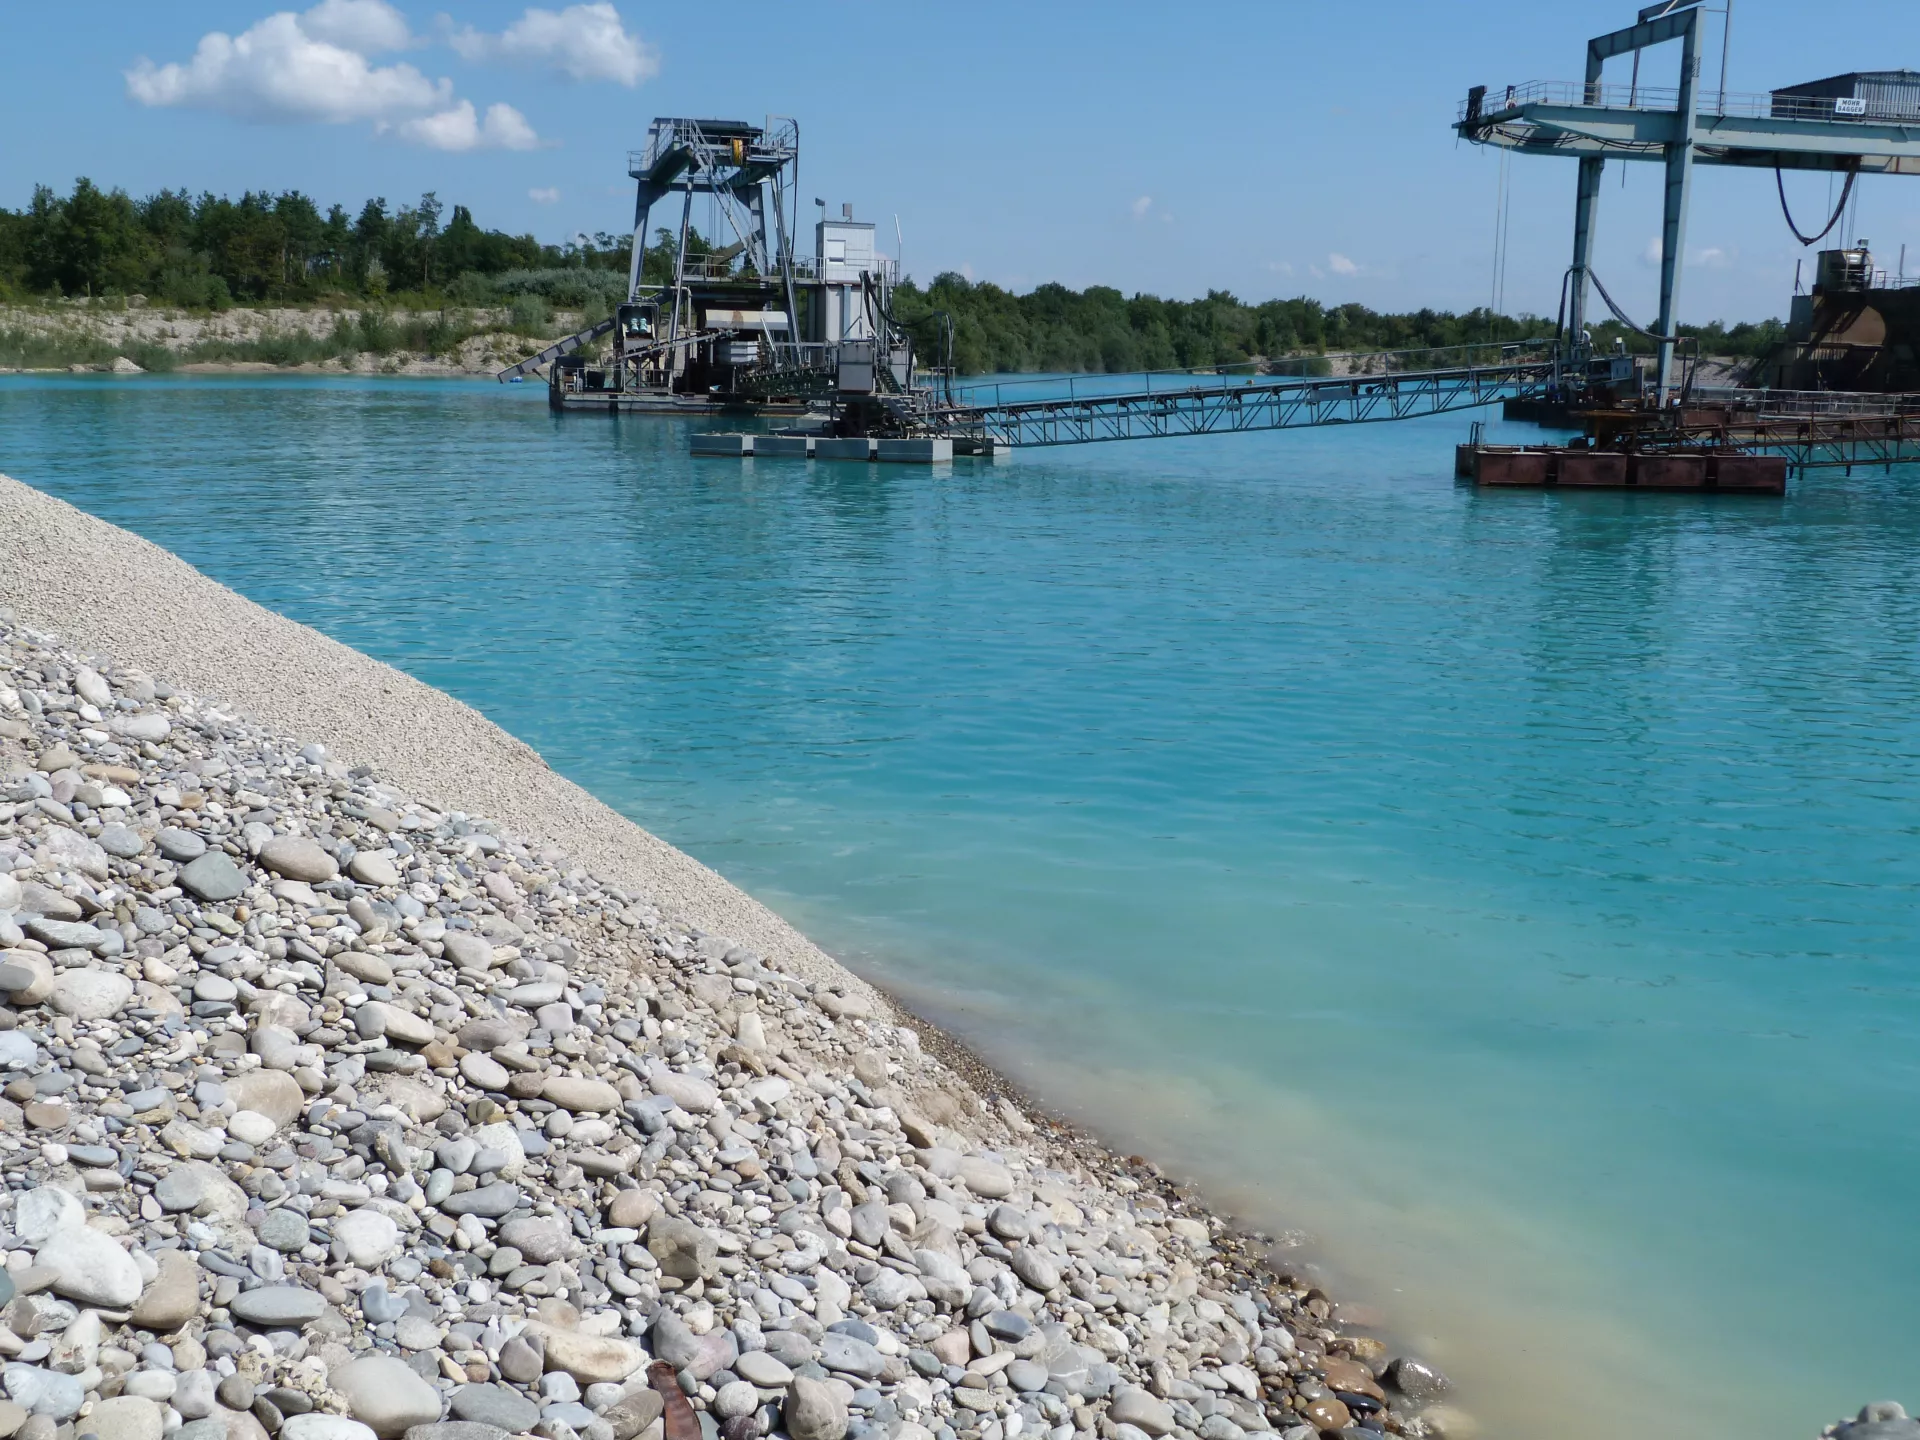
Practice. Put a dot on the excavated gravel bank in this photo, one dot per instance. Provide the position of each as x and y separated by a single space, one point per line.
365 1078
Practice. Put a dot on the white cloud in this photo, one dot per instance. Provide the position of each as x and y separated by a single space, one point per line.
1142 206
366 27
581 42
277 70
1654 250
462 128
544 195
314 67
1280 267
1341 265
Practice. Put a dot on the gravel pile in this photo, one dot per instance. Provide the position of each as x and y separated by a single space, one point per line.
333 1113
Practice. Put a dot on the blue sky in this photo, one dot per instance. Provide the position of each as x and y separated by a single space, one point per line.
1269 149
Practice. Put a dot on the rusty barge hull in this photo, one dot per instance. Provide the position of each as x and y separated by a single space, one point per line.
1547 467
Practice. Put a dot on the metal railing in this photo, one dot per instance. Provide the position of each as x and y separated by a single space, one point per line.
1500 100
778 141
1891 280
812 267
808 267
716 267
1807 402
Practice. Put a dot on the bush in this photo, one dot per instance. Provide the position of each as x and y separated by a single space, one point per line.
273 347
473 290
36 350
530 316
188 281
572 289
432 333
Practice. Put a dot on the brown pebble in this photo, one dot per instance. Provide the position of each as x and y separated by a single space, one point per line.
46 1115
1350 1376
1327 1413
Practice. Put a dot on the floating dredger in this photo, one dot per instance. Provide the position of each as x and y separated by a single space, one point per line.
751 326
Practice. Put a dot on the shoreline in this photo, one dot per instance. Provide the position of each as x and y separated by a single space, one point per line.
101 588
414 369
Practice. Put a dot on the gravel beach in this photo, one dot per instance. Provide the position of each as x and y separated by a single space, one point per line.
364 1078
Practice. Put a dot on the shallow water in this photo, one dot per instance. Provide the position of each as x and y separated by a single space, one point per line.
1514 891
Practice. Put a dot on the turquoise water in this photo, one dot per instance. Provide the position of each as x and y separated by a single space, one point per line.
1516 892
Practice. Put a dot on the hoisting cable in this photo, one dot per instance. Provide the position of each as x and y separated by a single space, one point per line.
1621 315
1686 367
1833 220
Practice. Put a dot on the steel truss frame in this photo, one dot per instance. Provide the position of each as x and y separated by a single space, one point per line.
1280 403
1806 441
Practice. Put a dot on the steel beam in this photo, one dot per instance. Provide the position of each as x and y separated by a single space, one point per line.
643 198
1551 128
1586 217
1679 188
1646 34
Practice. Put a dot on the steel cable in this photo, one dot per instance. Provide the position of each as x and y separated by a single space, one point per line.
1845 191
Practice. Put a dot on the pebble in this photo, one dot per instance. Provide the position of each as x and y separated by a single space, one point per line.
522 1360
172 1297
284 1230
118 841
278 1306
375 870
270 1093
850 1356
213 877
385 1394
572 1092
179 846
815 1410
295 857
410 1332
65 934
469 952
495 1405
592 1358
250 1127
368 1238
380 1307
317 1425
1131 1405
43 1392
91 1267
763 1370
488 1201
682 1249
484 1071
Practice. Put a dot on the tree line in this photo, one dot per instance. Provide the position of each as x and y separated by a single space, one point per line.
1052 328
208 251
